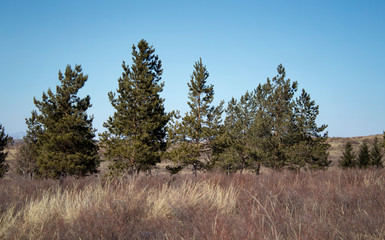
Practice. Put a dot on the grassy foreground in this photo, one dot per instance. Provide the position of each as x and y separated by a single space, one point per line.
330 204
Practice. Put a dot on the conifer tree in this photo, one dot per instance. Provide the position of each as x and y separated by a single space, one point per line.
4 140
309 147
27 153
276 102
383 141
66 145
196 132
135 136
363 160
236 149
286 129
348 159
376 154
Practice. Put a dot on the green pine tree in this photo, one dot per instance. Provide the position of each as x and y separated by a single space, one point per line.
376 154
286 131
27 153
363 160
4 140
383 141
348 159
66 145
237 150
307 140
275 111
194 135
135 136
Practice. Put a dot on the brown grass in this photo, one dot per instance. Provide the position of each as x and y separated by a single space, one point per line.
332 204
337 145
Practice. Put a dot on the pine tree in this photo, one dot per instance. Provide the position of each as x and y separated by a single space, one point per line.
308 144
363 156
383 141
27 153
275 111
4 140
66 145
348 159
135 136
224 151
237 149
286 130
376 154
196 132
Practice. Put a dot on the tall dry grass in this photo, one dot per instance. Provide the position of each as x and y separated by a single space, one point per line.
333 204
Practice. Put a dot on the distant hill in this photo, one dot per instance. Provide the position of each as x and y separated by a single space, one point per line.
17 135
337 145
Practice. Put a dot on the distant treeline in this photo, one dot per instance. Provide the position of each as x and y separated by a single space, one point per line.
271 126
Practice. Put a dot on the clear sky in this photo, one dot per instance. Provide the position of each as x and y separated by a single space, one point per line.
334 49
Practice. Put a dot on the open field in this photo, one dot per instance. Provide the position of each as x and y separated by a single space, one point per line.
332 204
337 145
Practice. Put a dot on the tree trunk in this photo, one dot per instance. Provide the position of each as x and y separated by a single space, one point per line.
258 169
195 167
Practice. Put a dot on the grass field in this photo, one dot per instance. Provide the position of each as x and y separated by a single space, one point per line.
332 204
337 145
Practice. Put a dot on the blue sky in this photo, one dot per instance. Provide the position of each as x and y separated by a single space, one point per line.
334 49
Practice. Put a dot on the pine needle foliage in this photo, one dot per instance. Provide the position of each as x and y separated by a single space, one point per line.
364 160
65 144
27 153
235 149
4 140
274 128
348 159
192 138
135 136
288 135
376 154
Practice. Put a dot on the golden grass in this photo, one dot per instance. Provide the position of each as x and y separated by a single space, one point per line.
161 203
333 204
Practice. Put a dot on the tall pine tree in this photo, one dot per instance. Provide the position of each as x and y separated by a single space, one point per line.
285 126
193 136
275 101
135 136
4 140
307 140
66 145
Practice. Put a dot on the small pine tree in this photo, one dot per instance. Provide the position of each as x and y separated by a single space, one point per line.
66 145
383 141
135 138
348 159
4 140
364 155
376 154
194 135
27 153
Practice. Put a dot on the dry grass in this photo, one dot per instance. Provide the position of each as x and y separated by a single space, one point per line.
331 204
337 145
